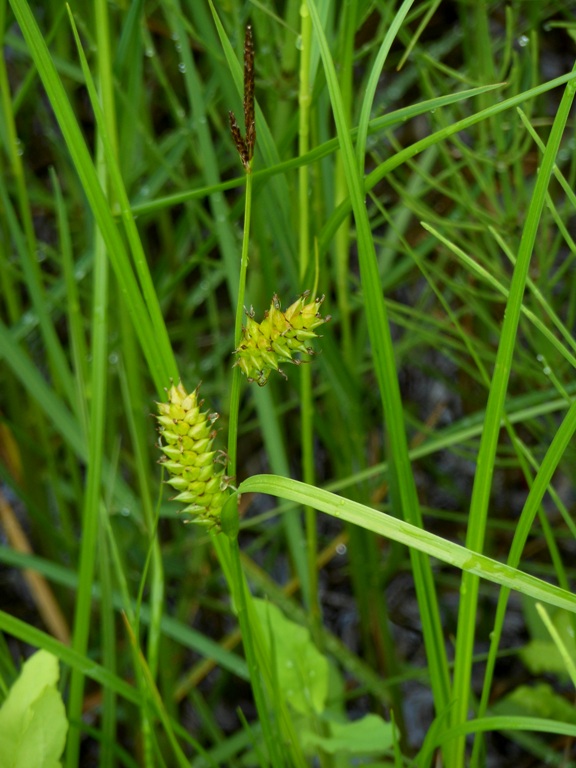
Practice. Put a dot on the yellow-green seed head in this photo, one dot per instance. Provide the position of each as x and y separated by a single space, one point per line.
278 337
186 437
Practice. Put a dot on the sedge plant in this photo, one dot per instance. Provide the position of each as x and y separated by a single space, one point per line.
384 496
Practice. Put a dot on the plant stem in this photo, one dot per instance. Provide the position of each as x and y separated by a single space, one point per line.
229 556
310 593
236 376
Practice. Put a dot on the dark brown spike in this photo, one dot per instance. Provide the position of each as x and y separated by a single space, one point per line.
249 120
239 140
245 144
250 139
248 77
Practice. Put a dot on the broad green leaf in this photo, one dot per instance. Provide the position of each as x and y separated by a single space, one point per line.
543 655
33 722
537 701
302 671
368 736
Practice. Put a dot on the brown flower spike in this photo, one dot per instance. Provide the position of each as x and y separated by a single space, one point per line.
186 437
245 144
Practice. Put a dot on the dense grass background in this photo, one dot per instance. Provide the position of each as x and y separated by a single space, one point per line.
418 160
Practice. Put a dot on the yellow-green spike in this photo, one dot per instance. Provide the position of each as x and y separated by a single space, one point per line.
278 337
186 437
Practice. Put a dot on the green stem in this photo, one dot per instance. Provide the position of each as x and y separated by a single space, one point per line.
304 100
92 501
236 378
229 556
91 511
342 237
306 427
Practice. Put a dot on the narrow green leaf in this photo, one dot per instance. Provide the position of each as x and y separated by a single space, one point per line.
402 486
482 487
410 535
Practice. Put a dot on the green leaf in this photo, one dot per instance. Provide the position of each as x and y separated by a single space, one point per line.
368 736
537 701
302 671
33 722
543 655
411 536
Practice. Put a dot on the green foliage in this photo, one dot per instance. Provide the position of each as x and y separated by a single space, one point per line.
539 700
368 736
541 653
33 721
303 677
301 672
